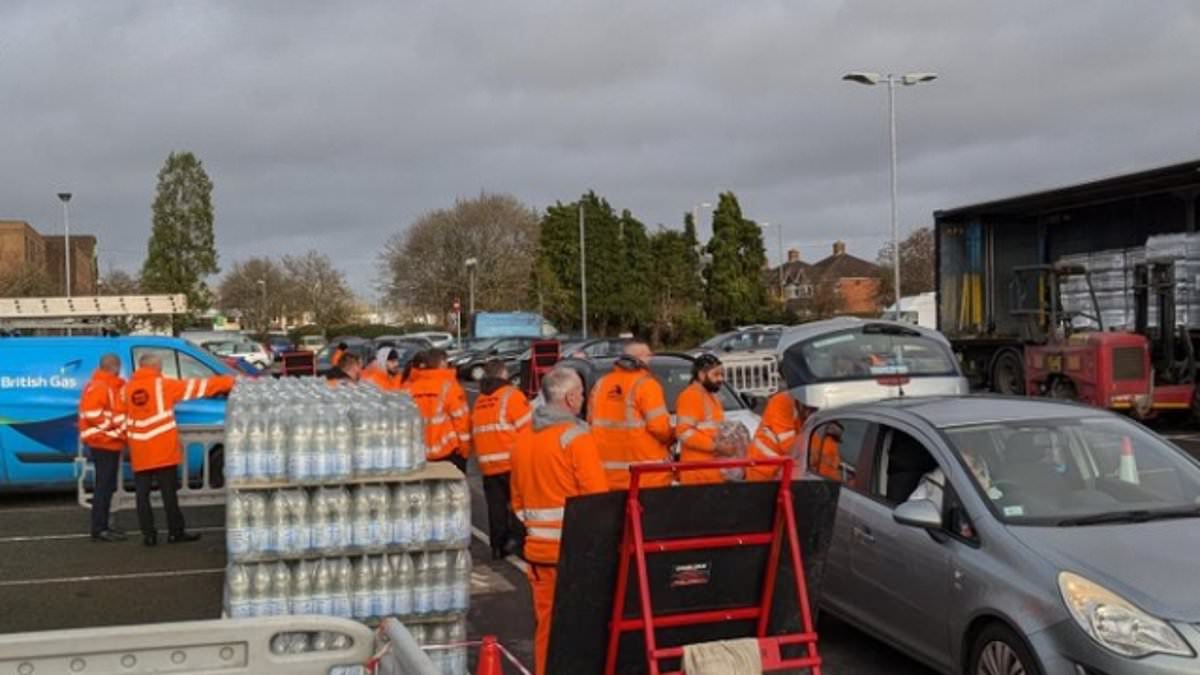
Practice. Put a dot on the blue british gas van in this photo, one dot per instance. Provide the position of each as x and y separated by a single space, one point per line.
41 380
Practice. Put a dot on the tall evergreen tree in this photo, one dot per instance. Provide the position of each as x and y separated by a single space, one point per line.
557 265
182 249
636 306
735 291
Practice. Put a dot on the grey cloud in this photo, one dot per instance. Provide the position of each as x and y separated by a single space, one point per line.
334 125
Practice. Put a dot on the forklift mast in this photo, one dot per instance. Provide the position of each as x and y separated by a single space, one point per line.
1171 354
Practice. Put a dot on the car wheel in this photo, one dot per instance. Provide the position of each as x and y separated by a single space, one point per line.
1000 651
1008 374
477 372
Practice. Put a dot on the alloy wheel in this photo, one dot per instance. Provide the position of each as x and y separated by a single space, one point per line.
997 658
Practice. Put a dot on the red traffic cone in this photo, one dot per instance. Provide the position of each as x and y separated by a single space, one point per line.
489 657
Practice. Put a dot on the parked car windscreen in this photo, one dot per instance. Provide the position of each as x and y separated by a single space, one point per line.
1080 471
864 353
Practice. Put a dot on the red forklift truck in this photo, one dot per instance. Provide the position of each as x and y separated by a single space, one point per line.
1147 371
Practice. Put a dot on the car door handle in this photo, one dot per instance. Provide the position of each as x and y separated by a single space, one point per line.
864 533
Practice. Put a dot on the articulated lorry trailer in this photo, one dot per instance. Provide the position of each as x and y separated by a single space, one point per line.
1089 292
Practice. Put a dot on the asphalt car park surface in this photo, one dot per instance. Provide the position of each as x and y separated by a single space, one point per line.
52 576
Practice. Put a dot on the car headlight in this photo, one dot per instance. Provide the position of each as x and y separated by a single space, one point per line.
1116 623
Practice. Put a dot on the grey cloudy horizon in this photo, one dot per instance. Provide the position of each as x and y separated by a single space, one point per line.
335 125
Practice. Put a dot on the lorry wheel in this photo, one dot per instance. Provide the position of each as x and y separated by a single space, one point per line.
1008 374
1062 389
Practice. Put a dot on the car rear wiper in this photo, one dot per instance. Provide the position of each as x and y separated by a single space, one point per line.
1133 516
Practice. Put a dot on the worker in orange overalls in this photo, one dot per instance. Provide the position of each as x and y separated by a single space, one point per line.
559 462
335 359
349 369
149 401
824 452
500 421
698 418
629 418
781 421
443 406
102 432
384 372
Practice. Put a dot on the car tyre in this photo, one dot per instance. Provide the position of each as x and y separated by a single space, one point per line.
998 650
1008 374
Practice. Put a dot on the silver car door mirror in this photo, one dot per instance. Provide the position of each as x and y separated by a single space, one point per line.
920 513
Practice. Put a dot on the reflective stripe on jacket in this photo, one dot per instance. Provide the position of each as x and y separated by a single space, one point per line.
775 436
698 418
101 417
443 406
559 462
149 400
500 420
630 423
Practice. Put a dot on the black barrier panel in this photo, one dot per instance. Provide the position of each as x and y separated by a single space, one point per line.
682 581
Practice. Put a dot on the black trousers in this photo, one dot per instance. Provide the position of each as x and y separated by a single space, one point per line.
457 460
166 478
497 491
108 464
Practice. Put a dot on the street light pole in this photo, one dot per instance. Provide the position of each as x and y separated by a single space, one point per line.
65 198
471 265
696 216
892 80
262 285
583 272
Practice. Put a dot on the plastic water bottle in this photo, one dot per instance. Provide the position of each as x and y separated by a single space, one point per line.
280 535
260 530
300 455
237 529
322 448
382 459
341 519
238 600
301 600
276 448
261 590
439 574
419 512
318 522
362 437
382 587
457 657
323 588
439 512
460 589
235 451
403 579
438 634
459 525
343 454
298 521
256 451
361 528
402 525
423 588
343 586
363 583
401 441
281 586
380 527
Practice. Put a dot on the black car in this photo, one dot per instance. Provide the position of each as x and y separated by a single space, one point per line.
362 347
469 362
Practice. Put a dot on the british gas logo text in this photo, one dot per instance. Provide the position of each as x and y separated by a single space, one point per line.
38 382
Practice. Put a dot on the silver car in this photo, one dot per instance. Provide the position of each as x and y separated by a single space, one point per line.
1007 536
849 360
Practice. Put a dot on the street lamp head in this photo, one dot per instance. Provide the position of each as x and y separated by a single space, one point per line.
64 197
471 262
863 77
705 205
917 78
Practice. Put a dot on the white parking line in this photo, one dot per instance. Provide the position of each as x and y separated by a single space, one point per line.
112 577
61 537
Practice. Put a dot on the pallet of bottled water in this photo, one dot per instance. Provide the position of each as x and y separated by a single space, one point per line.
295 431
332 510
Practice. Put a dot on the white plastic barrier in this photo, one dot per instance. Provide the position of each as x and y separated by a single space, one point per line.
756 374
206 489
296 645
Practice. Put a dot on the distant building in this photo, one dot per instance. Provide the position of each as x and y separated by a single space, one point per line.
84 274
22 246
837 284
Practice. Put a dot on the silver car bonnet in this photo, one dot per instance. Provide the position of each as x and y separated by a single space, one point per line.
1153 565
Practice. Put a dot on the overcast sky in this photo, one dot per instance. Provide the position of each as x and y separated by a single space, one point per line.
333 125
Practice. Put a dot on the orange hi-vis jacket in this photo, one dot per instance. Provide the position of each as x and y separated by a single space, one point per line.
630 424
824 453
101 416
149 400
499 422
698 417
776 433
443 406
380 378
559 462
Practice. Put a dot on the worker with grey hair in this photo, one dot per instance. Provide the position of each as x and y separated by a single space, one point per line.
560 462
102 433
